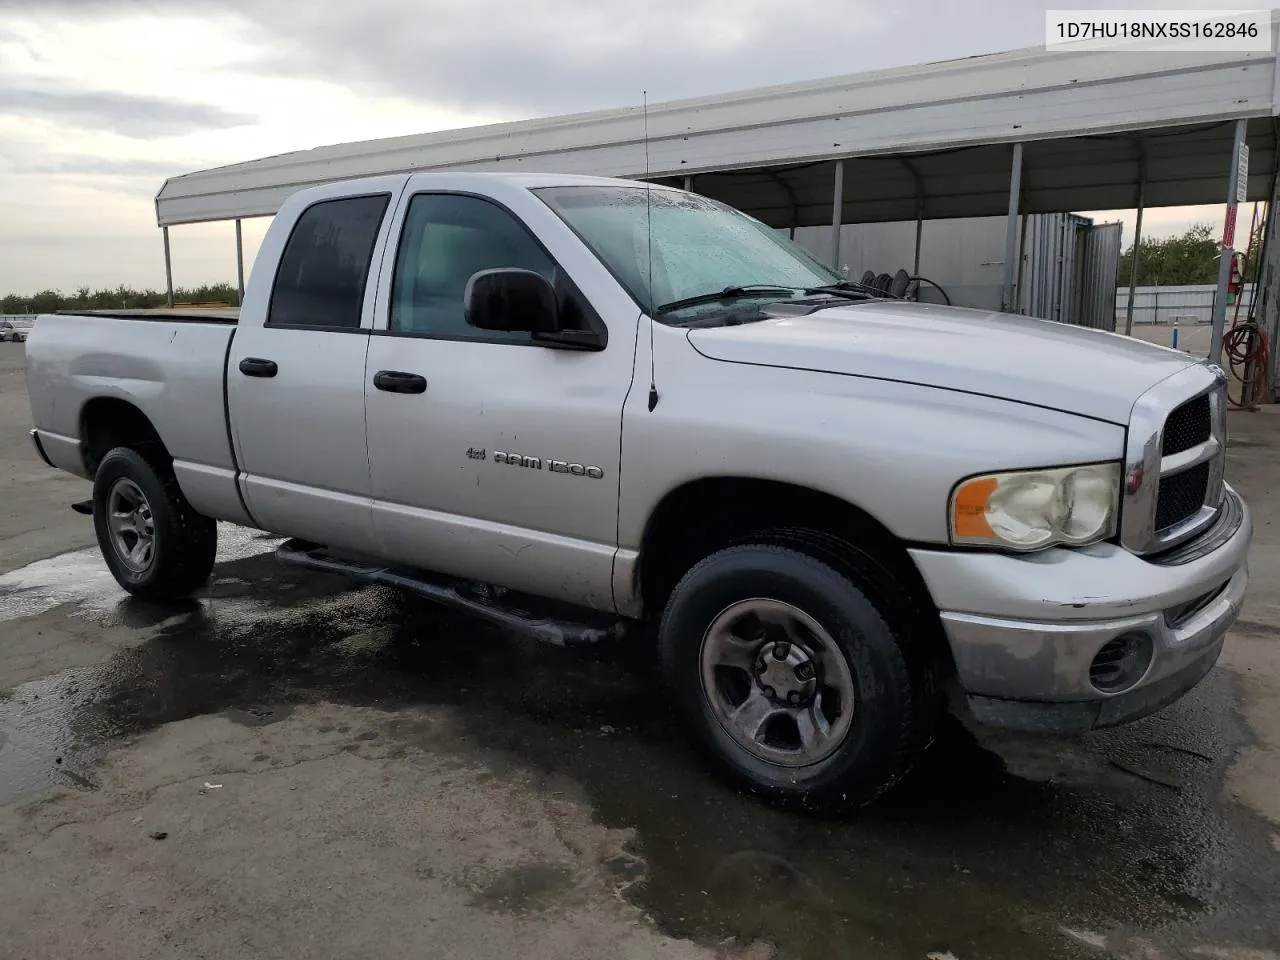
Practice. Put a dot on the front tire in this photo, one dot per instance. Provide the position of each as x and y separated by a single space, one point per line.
791 680
155 544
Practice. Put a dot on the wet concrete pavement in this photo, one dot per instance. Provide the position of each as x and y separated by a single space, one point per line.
983 853
345 771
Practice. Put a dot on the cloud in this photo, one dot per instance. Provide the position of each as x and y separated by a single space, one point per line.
516 58
153 170
526 59
522 59
75 230
100 100
132 115
529 59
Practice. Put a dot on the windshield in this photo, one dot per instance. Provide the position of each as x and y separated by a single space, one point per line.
700 246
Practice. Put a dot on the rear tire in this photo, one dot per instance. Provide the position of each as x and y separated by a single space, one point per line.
847 706
155 544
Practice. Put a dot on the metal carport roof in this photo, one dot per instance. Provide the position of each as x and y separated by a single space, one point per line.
936 135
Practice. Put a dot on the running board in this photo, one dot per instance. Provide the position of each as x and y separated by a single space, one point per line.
477 599
84 506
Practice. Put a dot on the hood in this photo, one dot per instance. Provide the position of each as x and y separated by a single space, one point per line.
1072 369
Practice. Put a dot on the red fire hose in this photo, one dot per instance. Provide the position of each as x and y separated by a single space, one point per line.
1245 345
1248 355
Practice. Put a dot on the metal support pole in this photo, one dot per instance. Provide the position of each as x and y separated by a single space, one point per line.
1227 251
1137 246
239 264
1011 229
688 183
168 270
837 212
1266 291
1022 262
915 268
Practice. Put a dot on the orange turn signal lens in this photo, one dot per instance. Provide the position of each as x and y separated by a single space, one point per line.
969 508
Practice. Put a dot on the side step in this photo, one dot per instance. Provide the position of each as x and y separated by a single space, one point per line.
477 599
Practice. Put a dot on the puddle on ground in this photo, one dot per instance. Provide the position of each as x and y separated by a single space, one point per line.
1009 847
82 577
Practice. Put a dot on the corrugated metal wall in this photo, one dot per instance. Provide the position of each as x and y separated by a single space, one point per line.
1047 266
882 247
1101 262
1068 266
966 256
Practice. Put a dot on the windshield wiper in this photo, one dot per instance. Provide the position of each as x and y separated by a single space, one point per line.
728 293
850 290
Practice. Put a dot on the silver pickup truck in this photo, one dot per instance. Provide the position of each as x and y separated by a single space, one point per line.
598 410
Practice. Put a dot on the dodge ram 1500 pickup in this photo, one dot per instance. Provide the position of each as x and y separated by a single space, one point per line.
600 409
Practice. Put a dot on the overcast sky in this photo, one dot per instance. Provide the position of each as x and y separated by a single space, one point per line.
100 100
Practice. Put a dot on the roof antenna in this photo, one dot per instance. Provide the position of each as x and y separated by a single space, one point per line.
648 216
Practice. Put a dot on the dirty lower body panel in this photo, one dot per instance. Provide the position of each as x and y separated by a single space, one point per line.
1070 640
1081 716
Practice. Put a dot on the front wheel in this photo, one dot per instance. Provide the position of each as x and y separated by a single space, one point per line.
790 679
155 544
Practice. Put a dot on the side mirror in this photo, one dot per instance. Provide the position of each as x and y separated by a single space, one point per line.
511 300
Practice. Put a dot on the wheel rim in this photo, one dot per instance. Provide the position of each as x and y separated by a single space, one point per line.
132 527
777 682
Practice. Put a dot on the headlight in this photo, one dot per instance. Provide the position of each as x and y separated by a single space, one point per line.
1034 509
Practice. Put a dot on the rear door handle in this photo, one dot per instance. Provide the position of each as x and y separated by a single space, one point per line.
393 381
257 367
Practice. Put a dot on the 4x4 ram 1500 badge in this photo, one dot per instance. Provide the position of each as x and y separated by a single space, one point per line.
537 463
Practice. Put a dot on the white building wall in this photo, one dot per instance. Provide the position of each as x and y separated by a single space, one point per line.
965 256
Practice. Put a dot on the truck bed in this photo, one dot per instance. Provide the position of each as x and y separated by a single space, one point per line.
172 369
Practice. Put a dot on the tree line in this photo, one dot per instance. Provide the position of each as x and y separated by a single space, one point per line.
121 298
1191 258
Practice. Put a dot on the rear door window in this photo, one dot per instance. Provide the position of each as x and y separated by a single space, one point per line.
324 269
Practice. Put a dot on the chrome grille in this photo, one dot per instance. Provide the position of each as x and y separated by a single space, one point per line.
1187 427
1181 496
1176 450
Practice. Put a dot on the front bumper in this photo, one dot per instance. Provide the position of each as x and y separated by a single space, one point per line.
1024 631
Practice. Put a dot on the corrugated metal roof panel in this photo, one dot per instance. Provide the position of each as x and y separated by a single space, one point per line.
1027 94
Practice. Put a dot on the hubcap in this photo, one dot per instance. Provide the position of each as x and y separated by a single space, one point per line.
777 682
786 673
132 528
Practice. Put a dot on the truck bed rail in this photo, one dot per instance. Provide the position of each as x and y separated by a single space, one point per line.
223 315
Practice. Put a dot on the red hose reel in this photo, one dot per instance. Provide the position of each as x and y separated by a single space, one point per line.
1248 354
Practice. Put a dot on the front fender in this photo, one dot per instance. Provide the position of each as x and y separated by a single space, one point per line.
895 450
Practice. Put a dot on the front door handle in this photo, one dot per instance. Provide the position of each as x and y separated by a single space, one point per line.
393 381
257 367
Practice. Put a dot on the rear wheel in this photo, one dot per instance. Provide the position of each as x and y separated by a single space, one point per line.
791 679
155 544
